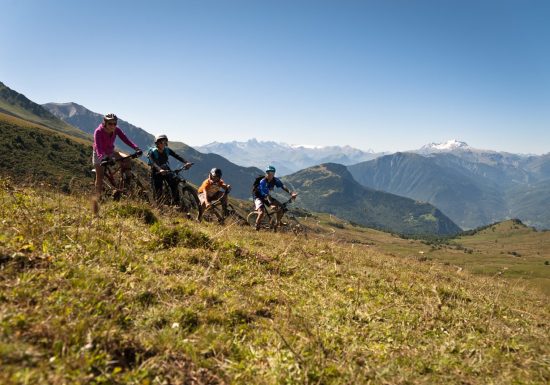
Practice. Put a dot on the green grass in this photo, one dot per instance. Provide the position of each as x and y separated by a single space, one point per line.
35 155
143 297
507 250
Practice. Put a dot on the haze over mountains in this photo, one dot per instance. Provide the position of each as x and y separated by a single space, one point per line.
285 157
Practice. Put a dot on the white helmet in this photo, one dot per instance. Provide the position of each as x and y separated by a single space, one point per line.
110 117
161 137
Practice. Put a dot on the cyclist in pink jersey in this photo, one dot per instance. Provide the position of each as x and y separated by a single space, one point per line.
104 149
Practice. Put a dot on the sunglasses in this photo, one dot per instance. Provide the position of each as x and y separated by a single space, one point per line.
111 123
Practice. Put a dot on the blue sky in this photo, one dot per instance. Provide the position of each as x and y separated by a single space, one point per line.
382 75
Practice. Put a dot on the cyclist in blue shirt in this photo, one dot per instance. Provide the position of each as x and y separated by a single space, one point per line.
262 195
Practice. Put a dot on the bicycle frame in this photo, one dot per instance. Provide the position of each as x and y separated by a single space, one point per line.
269 214
188 199
213 207
117 183
282 206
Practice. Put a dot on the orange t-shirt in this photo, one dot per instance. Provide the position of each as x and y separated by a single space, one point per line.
212 187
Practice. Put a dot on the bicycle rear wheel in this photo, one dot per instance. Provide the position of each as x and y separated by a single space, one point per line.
189 201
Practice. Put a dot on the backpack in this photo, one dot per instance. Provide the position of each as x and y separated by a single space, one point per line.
155 153
256 184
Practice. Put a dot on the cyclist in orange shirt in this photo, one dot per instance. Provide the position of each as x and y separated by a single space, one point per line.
210 191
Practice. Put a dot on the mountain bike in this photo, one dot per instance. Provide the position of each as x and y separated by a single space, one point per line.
188 201
269 221
215 212
118 182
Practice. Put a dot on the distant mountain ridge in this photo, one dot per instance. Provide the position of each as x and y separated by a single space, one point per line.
331 188
87 121
18 105
473 187
285 157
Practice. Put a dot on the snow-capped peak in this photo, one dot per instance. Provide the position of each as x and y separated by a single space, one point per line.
308 146
449 145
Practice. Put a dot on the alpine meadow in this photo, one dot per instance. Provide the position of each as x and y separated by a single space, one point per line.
143 295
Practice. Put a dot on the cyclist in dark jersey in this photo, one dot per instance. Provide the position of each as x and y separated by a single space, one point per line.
160 167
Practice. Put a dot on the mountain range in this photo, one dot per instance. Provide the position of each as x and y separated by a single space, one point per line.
285 157
331 188
473 187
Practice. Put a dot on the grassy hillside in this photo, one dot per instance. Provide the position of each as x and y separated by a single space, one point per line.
331 188
507 250
16 104
35 153
135 297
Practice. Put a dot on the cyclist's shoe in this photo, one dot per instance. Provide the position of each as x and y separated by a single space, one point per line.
107 162
257 227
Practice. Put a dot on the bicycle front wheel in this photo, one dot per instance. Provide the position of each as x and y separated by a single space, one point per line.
253 216
189 201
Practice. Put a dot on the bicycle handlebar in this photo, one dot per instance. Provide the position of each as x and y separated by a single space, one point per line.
111 161
184 167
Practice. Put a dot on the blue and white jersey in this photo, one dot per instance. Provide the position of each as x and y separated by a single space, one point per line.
265 187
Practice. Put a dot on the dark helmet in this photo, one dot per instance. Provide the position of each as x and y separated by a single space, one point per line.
216 172
270 169
110 117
